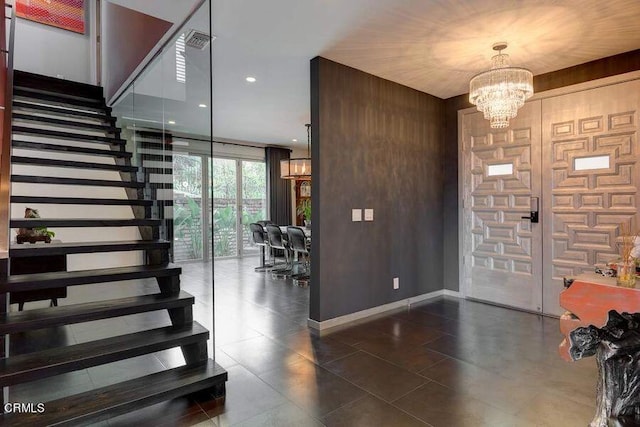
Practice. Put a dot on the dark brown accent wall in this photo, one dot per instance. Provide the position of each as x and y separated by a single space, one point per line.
605 67
131 37
376 144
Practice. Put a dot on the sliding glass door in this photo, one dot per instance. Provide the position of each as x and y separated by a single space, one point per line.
253 203
235 196
225 206
187 207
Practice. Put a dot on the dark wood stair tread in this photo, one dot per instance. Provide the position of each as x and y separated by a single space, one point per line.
75 181
83 222
11 323
37 161
61 111
102 403
68 136
59 279
66 248
80 201
55 361
57 85
59 98
40 146
62 123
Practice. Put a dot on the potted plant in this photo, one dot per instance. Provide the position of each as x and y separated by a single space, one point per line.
304 209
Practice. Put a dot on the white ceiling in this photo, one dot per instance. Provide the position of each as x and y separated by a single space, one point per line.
433 46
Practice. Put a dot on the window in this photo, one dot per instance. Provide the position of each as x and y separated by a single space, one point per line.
181 66
501 169
594 162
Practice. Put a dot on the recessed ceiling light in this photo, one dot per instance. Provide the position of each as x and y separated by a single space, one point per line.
251 79
172 122
294 140
202 105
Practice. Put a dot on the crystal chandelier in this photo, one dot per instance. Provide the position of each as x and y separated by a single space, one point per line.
298 168
502 90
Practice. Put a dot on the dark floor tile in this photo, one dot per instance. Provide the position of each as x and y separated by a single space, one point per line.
550 409
408 333
51 388
441 406
315 348
101 329
40 339
370 411
183 411
376 376
312 387
434 321
273 325
508 395
352 335
261 354
123 370
413 358
247 396
285 415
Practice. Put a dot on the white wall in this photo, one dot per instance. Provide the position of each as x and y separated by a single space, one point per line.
51 51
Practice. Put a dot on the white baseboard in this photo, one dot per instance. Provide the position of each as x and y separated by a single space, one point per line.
359 315
450 293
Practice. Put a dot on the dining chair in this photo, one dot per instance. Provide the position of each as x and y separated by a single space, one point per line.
298 244
276 241
259 237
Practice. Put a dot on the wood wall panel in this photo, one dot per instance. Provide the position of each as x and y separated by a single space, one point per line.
376 144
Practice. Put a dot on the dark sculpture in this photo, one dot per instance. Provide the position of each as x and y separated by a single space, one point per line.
617 350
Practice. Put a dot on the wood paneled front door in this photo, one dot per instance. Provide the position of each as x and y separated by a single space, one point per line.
575 156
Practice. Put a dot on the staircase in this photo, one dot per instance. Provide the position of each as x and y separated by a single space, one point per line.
67 126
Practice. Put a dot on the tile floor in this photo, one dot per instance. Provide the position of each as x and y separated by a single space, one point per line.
443 362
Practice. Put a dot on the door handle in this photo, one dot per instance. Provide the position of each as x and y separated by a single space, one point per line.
535 206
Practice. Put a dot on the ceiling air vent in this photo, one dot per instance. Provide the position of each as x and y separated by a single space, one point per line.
197 39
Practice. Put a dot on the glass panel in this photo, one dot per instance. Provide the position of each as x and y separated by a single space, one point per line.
254 200
187 207
502 169
224 190
595 162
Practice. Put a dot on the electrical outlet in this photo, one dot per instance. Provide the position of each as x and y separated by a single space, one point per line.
396 283
356 215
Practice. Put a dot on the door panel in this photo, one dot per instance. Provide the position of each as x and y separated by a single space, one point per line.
591 175
503 256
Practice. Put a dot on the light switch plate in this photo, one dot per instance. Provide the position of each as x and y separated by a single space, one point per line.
368 214
356 215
